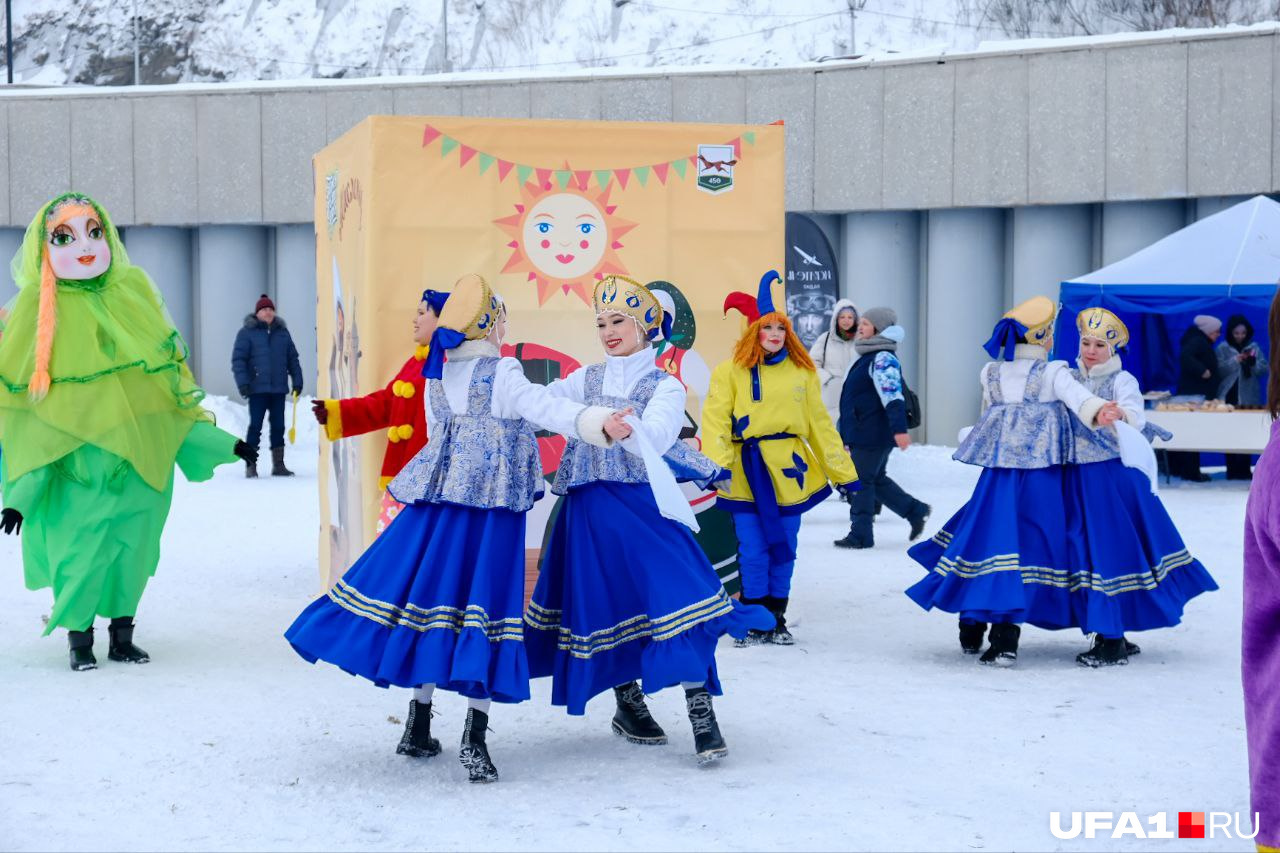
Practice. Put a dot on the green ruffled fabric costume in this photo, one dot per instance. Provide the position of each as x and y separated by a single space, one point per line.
90 466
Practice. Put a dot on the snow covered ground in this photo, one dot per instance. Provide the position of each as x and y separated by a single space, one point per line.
874 732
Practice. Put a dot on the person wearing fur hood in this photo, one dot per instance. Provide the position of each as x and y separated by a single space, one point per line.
833 354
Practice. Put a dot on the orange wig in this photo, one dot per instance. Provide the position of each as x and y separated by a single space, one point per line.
748 352
47 316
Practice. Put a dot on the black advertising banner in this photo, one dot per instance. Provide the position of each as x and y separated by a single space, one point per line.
813 278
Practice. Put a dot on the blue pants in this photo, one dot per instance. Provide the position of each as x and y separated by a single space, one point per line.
760 577
259 406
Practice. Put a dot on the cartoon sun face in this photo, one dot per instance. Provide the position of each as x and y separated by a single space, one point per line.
564 238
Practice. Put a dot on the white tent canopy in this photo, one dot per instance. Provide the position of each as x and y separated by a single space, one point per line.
1240 245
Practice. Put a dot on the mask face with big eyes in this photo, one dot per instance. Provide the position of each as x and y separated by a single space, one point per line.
78 248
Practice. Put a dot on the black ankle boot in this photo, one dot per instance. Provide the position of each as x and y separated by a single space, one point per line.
708 745
81 646
971 636
1105 652
754 637
1003 650
474 754
632 720
277 463
779 636
122 648
417 741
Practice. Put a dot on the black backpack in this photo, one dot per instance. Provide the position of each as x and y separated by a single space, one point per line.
914 416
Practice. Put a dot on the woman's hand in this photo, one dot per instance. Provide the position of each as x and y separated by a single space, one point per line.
902 439
1109 414
616 427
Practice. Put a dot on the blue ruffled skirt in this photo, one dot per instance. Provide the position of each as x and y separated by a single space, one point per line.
626 594
437 599
1083 546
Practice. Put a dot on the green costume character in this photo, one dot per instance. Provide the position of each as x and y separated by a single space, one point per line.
97 404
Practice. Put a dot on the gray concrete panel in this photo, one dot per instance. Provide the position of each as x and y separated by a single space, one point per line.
880 266
1147 122
1049 245
1130 226
230 158
165 254
1229 116
427 101
788 97
919 113
571 99
293 130
345 108
1066 145
10 241
964 291
497 100
848 139
991 131
295 293
102 154
165 178
39 155
713 98
4 169
231 272
642 99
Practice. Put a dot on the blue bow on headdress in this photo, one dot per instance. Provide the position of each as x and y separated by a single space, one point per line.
441 339
764 296
664 327
1004 337
435 299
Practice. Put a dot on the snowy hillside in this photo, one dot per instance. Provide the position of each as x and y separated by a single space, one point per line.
93 42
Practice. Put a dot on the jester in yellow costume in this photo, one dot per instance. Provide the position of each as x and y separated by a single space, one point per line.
97 404
764 420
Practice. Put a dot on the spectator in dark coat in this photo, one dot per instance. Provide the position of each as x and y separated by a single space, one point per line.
873 421
265 363
1197 374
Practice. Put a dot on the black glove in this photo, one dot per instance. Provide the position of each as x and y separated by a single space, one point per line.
321 411
244 391
245 452
11 521
297 392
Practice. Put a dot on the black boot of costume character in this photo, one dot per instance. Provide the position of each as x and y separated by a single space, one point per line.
1003 650
779 636
251 470
474 754
417 741
277 463
122 648
754 637
632 720
708 744
81 646
1106 652
971 636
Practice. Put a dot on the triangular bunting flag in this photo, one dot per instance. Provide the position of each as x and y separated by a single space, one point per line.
660 169
429 135
750 136
447 144
544 177
680 166
522 174
583 178
642 175
562 177
467 153
737 147
486 160
602 178
622 175
504 168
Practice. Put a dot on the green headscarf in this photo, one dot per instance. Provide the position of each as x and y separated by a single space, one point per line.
120 379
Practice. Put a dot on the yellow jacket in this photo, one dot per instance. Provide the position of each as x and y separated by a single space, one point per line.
790 402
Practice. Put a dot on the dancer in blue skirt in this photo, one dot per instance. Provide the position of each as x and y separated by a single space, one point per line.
437 600
625 593
1058 533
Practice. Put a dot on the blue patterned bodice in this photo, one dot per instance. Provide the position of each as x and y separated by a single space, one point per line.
584 463
1106 389
1030 433
473 458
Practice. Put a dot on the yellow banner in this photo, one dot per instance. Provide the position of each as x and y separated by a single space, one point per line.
543 210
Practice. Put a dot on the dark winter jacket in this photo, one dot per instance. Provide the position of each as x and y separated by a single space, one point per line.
872 409
265 359
1195 357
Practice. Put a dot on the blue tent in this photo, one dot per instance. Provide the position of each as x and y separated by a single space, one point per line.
1224 264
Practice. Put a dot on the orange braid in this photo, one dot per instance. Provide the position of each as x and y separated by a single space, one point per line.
47 317
748 352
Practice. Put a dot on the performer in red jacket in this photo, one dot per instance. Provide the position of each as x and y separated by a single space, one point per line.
397 408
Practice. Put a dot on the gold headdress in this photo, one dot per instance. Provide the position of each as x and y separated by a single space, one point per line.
622 295
1101 324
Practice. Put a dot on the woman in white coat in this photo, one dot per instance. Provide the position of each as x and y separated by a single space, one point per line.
833 354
